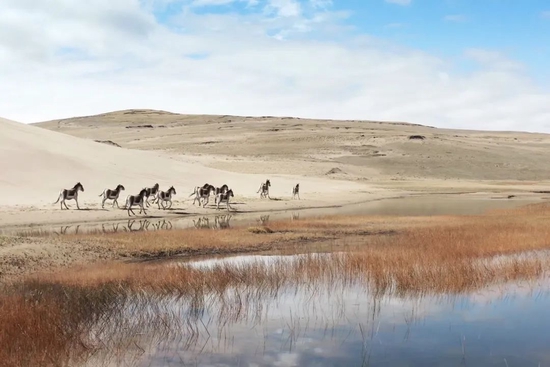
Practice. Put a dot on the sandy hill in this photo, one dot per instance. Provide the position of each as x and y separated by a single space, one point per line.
36 163
354 150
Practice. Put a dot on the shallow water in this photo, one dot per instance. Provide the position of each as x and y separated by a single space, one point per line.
344 324
409 206
243 260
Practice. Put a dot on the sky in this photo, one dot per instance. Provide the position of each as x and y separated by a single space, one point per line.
447 63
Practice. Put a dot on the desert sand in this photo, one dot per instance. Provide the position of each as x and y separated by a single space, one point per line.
335 162
37 163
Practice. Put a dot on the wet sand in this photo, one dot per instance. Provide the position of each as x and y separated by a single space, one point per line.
411 205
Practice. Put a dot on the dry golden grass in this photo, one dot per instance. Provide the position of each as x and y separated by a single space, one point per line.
29 330
527 212
44 318
165 243
274 236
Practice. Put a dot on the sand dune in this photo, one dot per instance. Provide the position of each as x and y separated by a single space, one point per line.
335 162
36 163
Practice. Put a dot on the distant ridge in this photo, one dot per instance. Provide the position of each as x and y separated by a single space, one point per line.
168 114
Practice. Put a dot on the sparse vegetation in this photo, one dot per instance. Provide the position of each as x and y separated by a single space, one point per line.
260 230
69 315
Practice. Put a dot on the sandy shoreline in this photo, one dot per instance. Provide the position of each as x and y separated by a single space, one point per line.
256 212
29 216
13 217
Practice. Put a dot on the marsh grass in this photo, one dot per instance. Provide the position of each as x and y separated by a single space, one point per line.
192 241
276 235
69 316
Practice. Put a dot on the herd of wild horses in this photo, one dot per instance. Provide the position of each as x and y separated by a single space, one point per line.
221 195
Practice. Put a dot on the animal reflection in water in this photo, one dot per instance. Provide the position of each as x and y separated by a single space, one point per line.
114 228
141 225
63 230
220 222
135 225
147 225
264 219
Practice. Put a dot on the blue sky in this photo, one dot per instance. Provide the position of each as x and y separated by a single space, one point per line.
447 63
442 27
516 28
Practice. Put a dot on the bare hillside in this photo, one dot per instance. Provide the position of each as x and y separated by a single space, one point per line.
365 150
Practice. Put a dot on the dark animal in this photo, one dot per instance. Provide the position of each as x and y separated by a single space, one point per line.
165 196
296 191
109 194
224 197
151 191
220 190
264 189
202 193
70 194
138 199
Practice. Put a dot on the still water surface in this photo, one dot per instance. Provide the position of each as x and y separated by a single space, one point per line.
408 206
344 324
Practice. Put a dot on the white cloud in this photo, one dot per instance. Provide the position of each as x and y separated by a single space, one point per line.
285 8
493 60
545 14
399 2
67 58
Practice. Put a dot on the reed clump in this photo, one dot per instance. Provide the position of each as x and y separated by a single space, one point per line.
50 318
73 315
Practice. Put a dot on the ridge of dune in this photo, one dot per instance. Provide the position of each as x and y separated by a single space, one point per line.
37 163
